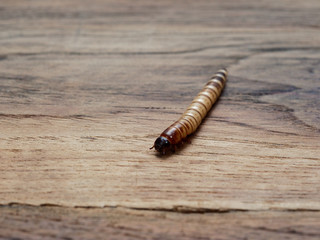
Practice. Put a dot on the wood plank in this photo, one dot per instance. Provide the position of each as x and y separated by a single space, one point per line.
87 87
29 222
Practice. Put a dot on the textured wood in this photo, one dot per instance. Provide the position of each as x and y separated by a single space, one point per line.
86 90
26 222
87 86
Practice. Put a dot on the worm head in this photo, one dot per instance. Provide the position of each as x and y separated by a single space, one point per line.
162 145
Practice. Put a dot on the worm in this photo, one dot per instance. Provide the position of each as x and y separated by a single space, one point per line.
192 117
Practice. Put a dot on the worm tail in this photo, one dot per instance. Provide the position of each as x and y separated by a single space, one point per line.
203 102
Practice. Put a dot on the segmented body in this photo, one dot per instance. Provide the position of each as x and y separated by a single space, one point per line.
192 117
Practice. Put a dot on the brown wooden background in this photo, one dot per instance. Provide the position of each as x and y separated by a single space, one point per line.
87 86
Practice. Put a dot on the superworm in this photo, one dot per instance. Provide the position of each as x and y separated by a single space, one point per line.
192 117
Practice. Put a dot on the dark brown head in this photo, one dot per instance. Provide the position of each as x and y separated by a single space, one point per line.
162 145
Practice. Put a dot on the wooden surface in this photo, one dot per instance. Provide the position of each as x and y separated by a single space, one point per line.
87 86
27 222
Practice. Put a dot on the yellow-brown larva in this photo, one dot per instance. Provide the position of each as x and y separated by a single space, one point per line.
192 117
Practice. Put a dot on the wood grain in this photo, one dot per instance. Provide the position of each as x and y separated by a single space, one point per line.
28 222
87 86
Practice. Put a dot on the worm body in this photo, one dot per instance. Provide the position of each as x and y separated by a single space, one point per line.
192 117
